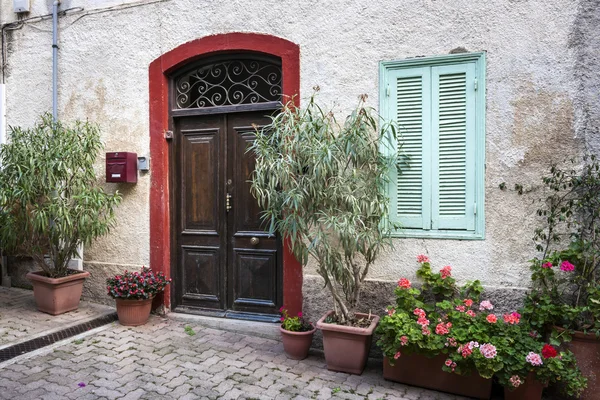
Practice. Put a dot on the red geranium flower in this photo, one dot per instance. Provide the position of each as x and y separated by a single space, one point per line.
549 351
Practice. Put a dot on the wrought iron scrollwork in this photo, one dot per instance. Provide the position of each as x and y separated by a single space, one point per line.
230 82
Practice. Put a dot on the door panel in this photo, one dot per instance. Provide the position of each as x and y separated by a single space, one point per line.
225 261
253 253
200 231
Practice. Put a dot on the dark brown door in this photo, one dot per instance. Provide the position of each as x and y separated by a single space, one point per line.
226 264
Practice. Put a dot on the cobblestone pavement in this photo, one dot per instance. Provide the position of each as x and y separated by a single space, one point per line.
20 320
171 359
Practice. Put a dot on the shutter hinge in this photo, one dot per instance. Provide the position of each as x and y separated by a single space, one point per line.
168 135
387 91
475 209
475 84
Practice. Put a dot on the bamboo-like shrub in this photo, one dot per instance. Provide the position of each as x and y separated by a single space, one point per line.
50 202
322 185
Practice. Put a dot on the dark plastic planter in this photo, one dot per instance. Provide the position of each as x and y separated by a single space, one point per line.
297 344
418 370
346 347
57 295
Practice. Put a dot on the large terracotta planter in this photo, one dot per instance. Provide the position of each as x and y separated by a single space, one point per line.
347 347
57 295
586 348
530 390
133 312
418 370
296 344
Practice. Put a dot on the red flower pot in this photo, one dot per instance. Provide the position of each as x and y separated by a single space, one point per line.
133 312
418 370
346 347
57 295
296 344
530 390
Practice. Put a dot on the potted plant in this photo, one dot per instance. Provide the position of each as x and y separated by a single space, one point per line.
134 292
426 325
51 204
530 365
566 278
320 185
296 334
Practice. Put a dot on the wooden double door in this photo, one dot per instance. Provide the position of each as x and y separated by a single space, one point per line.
226 264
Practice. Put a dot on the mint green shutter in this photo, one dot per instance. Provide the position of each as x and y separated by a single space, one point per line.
410 107
453 145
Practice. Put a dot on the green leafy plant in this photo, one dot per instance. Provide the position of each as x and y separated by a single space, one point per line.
189 331
566 278
49 200
321 185
294 324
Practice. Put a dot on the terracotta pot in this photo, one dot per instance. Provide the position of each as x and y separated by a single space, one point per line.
418 370
586 348
347 347
133 312
530 390
57 295
296 344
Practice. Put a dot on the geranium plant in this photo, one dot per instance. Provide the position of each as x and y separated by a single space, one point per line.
294 324
566 278
137 285
320 185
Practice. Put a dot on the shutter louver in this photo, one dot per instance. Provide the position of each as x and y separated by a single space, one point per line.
453 136
412 116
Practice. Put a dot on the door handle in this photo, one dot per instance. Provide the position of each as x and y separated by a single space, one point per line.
254 241
227 202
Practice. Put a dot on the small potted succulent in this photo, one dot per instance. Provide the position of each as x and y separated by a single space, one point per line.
296 334
134 292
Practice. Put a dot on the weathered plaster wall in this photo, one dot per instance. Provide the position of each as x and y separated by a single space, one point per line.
542 88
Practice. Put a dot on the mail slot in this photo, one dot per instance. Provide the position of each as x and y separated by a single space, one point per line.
121 167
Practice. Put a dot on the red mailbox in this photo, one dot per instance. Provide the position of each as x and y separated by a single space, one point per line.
121 167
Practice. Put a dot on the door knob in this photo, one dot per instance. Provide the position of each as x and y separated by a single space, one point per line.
227 202
254 241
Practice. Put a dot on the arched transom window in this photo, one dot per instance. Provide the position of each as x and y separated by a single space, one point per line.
229 81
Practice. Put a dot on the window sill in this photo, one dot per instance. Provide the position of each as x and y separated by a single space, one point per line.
452 235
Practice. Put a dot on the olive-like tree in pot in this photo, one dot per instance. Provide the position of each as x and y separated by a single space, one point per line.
322 185
50 201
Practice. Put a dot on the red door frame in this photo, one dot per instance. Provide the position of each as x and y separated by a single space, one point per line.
160 224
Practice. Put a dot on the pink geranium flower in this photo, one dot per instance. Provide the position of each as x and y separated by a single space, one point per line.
566 266
515 381
460 308
512 318
404 340
448 362
488 350
397 356
471 313
547 265
486 305
446 271
443 329
419 312
492 319
468 302
391 311
422 258
404 283
534 359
